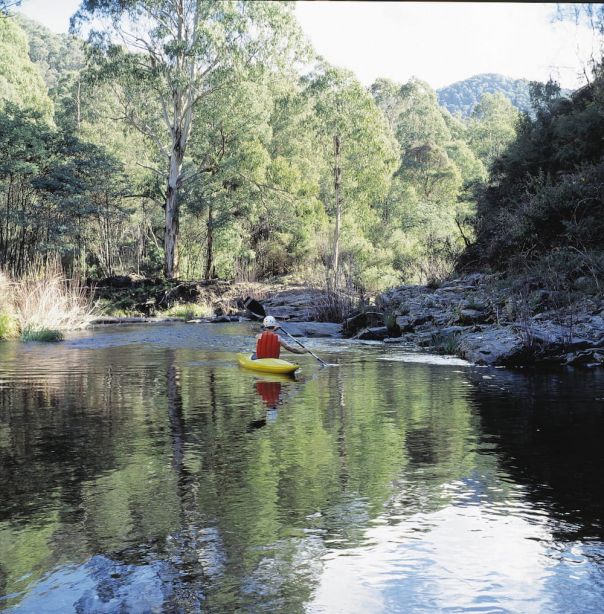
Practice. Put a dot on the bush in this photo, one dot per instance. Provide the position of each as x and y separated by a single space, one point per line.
8 326
447 344
41 334
189 311
335 306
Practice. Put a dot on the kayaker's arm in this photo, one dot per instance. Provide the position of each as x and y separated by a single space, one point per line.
294 349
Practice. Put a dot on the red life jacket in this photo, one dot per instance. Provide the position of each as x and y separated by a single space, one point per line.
268 345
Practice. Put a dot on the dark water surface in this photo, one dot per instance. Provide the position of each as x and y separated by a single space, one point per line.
143 471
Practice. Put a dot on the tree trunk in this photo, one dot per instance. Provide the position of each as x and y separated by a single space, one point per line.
171 228
78 108
337 171
210 244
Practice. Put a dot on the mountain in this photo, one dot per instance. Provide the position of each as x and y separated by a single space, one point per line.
463 96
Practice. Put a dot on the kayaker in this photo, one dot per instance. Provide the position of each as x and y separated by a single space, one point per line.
269 343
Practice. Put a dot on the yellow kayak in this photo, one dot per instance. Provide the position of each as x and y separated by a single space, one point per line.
266 365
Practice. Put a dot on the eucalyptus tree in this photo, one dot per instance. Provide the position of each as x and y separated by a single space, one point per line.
358 149
493 126
229 160
163 54
429 201
257 182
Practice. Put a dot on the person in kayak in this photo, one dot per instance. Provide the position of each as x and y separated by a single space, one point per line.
269 343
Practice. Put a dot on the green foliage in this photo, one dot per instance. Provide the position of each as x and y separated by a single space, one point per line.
189 311
41 334
447 344
56 56
195 49
20 81
58 194
8 326
422 232
492 127
250 189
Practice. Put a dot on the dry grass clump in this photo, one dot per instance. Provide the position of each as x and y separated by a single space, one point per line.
42 305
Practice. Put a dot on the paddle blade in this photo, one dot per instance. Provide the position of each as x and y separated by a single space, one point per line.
254 307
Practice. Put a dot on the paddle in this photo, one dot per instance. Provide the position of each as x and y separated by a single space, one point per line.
257 310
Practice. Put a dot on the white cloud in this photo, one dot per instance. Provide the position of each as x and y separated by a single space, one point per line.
445 42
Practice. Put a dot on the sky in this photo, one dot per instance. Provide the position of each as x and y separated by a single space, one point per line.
439 42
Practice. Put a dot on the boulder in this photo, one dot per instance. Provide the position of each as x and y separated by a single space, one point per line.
471 316
593 357
404 323
493 346
363 319
376 333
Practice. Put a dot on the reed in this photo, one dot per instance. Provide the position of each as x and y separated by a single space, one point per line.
42 305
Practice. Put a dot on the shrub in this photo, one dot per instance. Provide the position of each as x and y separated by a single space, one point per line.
41 334
189 311
335 306
445 343
8 326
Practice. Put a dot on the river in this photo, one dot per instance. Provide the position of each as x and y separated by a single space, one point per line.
142 470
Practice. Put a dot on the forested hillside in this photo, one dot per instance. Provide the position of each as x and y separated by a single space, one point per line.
463 96
542 210
126 154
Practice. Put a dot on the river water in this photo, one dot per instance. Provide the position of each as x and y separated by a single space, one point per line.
143 471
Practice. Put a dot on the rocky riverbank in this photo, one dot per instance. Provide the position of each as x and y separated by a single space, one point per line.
480 319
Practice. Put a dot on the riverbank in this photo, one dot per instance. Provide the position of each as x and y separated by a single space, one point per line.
484 319
487 321
132 299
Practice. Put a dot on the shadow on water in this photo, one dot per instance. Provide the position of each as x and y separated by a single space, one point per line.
548 428
143 470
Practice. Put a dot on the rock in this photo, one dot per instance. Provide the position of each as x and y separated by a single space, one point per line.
221 319
408 339
376 333
404 323
493 346
362 320
593 357
454 330
119 320
422 318
314 329
471 316
475 305
559 334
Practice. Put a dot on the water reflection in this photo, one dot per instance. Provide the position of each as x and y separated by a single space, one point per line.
137 476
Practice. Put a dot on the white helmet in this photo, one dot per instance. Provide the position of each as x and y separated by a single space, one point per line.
270 322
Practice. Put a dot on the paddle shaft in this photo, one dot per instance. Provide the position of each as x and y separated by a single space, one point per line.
303 346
